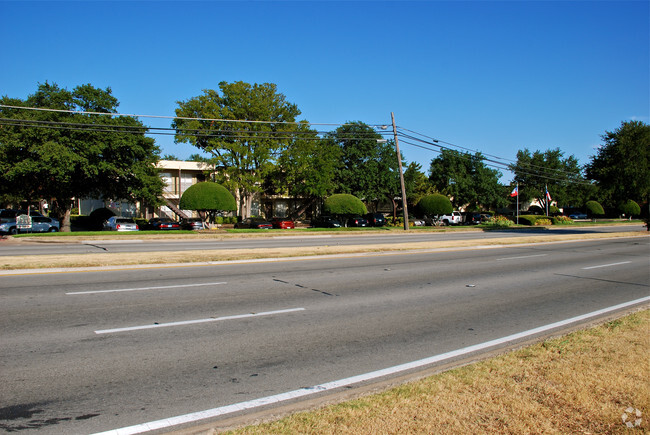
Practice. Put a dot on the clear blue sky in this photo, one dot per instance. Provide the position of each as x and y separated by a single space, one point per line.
492 76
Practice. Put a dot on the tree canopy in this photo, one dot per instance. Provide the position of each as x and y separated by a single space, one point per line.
207 196
344 204
435 205
466 179
61 155
621 167
368 167
245 127
563 177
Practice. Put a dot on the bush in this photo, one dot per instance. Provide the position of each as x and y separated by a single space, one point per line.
344 204
527 219
543 221
630 208
207 196
498 222
435 205
562 220
97 218
594 208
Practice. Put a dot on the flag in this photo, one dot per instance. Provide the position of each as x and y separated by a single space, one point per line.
515 191
548 195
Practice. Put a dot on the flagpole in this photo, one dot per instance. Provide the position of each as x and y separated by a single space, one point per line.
517 203
546 197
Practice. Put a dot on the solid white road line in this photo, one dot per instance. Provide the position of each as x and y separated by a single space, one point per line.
606 265
224 410
521 256
90 292
192 322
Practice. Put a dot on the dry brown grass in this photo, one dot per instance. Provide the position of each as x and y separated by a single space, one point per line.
579 384
115 259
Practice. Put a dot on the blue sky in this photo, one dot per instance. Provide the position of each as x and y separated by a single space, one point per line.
490 76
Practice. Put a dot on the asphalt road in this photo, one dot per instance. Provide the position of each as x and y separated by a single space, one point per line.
278 240
96 351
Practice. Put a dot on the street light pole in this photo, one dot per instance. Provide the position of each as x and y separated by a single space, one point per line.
401 174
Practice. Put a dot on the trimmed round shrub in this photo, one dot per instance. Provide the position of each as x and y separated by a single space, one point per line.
344 204
435 205
594 208
207 196
630 208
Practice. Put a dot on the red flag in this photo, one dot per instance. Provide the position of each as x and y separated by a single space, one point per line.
515 191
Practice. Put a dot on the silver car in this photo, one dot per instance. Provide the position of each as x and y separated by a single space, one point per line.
40 224
117 223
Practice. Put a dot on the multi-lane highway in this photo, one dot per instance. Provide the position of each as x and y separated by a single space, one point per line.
277 240
96 351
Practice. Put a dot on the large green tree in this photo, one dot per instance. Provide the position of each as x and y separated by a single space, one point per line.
305 168
534 172
369 168
467 180
621 167
245 127
60 155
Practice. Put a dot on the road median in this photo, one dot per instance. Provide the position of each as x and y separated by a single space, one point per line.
185 257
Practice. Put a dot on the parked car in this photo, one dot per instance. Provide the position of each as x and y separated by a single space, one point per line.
325 222
454 218
417 222
7 214
163 224
357 221
376 219
283 223
256 223
578 215
117 223
40 224
191 224
473 218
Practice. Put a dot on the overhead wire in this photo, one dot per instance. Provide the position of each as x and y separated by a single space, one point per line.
492 160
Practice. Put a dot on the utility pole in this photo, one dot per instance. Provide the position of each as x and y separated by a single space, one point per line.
401 175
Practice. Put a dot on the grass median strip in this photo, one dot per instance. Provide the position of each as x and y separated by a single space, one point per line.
117 259
590 381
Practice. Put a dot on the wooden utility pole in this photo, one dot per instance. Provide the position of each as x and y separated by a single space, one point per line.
401 175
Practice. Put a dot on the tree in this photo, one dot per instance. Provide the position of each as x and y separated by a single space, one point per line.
467 180
621 167
594 209
416 183
306 168
245 128
435 205
61 155
549 169
207 198
368 164
630 208
345 205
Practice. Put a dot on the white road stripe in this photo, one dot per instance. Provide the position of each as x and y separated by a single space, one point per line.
224 410
606 265
90 292
522 256
192 322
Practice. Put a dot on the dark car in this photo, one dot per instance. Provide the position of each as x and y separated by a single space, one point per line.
256 223
473 218
376 219
283 223
192 224
163 224
578 215
357 221
325 222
